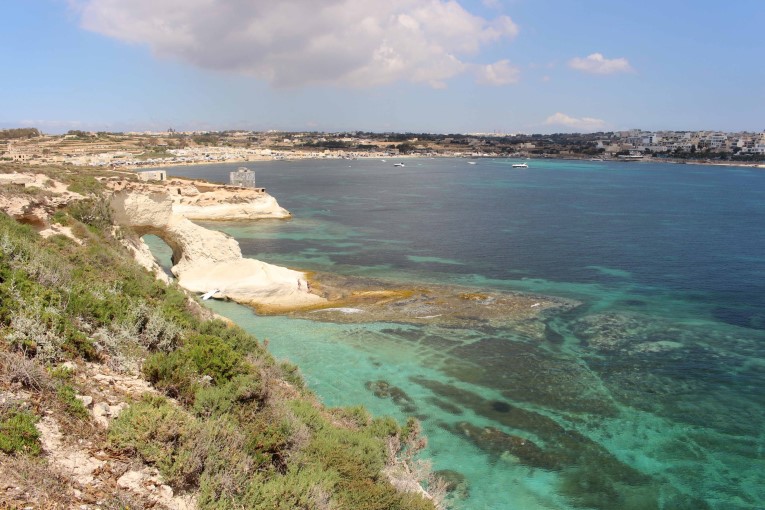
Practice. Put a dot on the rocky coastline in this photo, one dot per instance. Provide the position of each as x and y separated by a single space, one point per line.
207 261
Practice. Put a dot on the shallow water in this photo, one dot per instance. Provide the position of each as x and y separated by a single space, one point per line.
648 395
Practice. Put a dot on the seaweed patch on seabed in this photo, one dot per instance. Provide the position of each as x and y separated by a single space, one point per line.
526 372
590 476
689 374
383 389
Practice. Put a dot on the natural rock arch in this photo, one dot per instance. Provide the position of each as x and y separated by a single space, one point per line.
204 260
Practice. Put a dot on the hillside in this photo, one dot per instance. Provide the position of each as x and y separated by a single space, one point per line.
118 390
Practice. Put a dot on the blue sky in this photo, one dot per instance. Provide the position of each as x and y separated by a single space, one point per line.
536 66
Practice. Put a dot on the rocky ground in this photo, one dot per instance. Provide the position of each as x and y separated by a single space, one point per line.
77 469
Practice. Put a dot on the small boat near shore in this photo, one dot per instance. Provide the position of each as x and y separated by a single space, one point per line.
398 164
520 165
208 295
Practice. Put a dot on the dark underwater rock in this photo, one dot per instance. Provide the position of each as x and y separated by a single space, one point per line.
501 444
383 389
456 482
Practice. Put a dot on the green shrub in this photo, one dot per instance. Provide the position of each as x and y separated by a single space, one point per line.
219 448
384 427
61 217
354 455
160 434
308 414
299 488
236 337
214 357
67 396
84 184
218 400
94 212
18 433
188 453
269 436
61 373
357 416
291 373
78 343
173 374
179 372
413 501
369 495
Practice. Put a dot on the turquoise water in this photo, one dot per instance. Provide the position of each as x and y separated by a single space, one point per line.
648 395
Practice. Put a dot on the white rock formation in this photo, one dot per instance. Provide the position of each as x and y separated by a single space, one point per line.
204 259
198 201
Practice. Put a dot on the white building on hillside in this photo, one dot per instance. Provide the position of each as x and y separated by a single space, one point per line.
153 175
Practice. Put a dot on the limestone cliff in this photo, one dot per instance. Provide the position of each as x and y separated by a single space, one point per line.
205 201
205 260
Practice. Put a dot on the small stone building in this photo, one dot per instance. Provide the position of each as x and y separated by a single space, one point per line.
152 175
243 177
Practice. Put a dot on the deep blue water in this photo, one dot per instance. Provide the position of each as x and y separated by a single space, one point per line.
648 395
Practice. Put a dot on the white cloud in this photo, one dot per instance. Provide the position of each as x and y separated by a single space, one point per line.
498 73
598 64
299 42
583 124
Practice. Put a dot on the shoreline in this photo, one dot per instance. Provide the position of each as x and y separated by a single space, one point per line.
139 166
437 156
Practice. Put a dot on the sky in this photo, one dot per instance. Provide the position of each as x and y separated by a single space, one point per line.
438 66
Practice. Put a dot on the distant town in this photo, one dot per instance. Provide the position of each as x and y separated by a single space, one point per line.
152 149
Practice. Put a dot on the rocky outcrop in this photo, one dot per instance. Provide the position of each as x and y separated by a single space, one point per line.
33 198
206 260
196 201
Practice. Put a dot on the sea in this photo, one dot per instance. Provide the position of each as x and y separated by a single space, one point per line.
648 394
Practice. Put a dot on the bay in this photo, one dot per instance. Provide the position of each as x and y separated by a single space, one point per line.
647 395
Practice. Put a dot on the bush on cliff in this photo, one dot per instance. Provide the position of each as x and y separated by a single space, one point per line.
18 433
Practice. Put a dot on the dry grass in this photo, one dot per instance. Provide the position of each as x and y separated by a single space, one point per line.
26 482
17 368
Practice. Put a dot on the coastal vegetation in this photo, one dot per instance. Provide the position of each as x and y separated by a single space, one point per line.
224 422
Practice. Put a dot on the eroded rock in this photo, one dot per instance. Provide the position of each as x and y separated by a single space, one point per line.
206 259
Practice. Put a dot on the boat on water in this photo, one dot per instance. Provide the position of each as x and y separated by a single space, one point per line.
398 164
520 165
208 295
471 162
